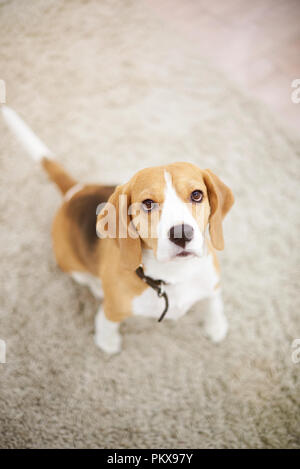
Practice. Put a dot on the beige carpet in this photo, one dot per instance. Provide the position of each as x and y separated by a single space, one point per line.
113 89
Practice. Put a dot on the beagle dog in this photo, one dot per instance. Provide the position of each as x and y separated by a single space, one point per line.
147 247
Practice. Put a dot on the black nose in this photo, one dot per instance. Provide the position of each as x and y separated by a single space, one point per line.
181 234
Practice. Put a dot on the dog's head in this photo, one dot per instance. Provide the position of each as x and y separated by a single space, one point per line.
166 209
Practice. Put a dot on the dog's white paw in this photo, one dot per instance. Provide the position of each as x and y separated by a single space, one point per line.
216 331
110 344
96 291
107 336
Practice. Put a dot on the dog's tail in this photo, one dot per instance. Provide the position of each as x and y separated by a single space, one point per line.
37 149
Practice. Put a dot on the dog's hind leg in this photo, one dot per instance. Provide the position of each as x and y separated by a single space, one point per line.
89 280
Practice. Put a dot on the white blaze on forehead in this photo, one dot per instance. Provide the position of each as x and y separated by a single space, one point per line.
173 205
175 212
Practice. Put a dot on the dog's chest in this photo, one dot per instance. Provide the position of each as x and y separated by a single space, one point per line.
187 282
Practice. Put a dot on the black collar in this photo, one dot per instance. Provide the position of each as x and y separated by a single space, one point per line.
157 285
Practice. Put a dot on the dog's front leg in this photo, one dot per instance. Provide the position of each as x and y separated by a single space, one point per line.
107 336
215 321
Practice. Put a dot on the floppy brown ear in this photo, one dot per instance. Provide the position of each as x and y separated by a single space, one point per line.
221 200
120 227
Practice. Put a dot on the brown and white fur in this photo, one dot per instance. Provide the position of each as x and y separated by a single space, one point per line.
190 270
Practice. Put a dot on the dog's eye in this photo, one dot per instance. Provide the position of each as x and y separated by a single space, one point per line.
148 205
197 196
